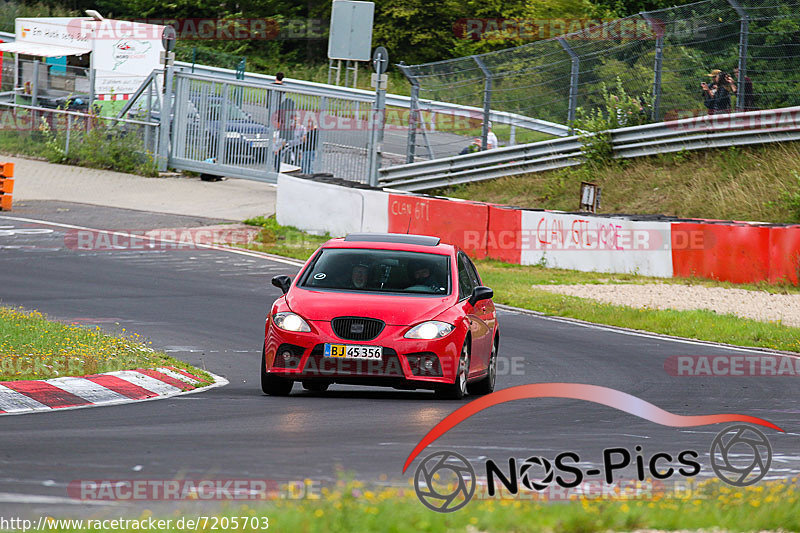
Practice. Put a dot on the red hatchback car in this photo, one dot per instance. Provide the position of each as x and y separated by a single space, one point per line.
404 311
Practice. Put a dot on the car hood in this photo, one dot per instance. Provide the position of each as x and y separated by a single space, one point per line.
393 309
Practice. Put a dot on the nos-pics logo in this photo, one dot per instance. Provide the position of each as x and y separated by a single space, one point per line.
446 481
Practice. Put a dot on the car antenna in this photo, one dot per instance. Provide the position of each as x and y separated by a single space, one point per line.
408 228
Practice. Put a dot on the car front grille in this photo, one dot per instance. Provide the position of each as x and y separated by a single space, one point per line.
356 328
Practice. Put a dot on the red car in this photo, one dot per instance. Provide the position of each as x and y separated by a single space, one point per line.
404 311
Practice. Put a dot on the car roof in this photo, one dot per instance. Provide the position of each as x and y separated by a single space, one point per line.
392 241
400 238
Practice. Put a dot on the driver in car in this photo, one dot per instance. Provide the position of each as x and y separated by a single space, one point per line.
423 276
359 276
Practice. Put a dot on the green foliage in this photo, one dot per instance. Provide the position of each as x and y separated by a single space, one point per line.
617 109
112 148
791 197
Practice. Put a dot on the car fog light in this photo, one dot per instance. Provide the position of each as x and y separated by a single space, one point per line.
427 364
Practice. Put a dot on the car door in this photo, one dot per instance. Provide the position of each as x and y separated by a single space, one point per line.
481 333
485 309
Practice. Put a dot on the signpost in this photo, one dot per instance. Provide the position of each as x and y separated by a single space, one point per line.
380 62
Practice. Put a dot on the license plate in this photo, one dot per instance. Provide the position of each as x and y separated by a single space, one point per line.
350 351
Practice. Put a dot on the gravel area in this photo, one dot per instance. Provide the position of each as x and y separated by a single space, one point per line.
757 305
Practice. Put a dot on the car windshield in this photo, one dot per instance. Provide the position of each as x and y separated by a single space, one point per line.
351 269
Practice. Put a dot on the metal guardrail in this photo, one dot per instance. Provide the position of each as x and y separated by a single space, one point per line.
392 100
697 133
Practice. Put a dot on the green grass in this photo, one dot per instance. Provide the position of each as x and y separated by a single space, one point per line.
33 347
284 240
756 183
354 507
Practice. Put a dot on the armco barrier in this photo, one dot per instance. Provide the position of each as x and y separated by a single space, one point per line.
457 222
504 238
653 246
6 185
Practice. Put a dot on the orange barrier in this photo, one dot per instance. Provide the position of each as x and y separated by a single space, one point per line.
784 254
504 238
6 185
461 223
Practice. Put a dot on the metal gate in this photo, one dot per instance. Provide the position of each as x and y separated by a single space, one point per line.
246 130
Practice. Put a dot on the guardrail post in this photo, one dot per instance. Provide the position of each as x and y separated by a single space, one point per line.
487 100
92 76
744 27
573 81
655 115
376 123
413 113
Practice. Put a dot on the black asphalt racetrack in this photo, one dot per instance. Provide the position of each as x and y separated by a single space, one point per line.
208 307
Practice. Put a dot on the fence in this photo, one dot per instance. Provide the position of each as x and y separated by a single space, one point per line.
660 59
235 128
710 131
64 135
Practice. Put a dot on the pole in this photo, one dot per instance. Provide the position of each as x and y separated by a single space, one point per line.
413 113
166 117
573 80
655 115
744 27
487 100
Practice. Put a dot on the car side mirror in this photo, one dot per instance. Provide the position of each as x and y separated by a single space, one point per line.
480 293
282 282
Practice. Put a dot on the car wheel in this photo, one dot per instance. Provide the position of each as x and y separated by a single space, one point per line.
316 386
272 385
486 385
458 389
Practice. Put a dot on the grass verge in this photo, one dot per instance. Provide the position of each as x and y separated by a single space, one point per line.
770 506
284 240
33 347
755 183
516 285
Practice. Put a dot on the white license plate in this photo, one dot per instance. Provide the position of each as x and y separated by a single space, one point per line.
350 351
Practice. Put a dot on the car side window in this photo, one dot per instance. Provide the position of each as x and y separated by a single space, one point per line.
473 272
465 285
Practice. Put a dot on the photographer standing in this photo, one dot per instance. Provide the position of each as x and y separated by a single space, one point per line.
717 95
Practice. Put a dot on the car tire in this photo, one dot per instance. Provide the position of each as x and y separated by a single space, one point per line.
273 385
486 385
316 386
458 389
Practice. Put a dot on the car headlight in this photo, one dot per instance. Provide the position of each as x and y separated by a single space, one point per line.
433 329
233 135
290 322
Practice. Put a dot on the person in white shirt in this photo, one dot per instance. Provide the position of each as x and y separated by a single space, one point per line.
491 139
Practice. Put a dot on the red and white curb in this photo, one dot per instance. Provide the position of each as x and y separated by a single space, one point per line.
111 388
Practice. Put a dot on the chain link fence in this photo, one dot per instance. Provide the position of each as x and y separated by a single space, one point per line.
660 59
